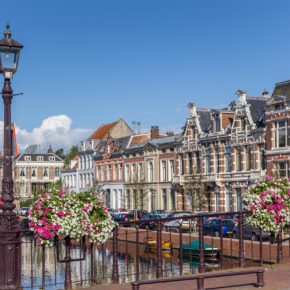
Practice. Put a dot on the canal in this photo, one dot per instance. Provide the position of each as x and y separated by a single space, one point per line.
129 269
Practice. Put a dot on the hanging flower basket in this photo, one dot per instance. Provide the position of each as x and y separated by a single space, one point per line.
74 215
269 200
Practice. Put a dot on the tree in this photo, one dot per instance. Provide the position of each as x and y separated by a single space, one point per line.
60 153
71 154
195 190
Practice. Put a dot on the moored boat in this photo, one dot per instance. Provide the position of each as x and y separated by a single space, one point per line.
151 244
193 249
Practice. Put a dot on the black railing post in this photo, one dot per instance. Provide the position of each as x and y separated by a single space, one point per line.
43 267
201 265
92 262
115 275
137 253
261 246
159 250
180 250
67 282
241 240
221 244
279 247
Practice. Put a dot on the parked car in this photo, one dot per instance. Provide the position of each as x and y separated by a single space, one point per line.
250 233
23 211
140 213
123 217
175 224
148 223
159 212
213 227
233 218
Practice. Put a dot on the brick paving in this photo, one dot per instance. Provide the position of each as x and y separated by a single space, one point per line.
276 278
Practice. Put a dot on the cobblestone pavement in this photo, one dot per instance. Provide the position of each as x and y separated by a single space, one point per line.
276 278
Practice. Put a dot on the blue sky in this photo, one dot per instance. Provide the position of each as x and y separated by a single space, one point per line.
97 61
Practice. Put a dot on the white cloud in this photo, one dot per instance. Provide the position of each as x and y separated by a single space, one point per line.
55 131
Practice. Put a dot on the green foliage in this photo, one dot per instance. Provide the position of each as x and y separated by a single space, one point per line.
71 154
60 153
26 202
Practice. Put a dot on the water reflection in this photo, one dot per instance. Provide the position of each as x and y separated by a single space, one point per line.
103 260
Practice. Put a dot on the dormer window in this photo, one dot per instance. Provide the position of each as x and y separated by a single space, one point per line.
39 158
51 158
280 107
27 158
217 124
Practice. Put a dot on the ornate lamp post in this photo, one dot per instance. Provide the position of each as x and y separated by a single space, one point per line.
10 238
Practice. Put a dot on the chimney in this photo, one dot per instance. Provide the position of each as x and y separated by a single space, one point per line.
50 149
192 109
134 127
154 132
242 97
169 133
138 127
265 94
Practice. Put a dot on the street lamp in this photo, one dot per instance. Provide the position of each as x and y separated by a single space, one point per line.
10 237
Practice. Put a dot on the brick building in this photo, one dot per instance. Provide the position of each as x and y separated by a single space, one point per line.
234 146
34 171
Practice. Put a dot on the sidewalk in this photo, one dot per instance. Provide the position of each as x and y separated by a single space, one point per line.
275 278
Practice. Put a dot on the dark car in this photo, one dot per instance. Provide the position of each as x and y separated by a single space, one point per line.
123 217
213 227
140 213
148 223
250 232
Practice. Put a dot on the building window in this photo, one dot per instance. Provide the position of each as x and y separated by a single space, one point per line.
217 202
280 107
172 196
134 173
197 162
243 124
135 198
163 170
248 158
238 159
127 173
115 171
281 134
142 198
27 158
190 162
164 198
51 158
228 199
207 160
103 173
109 172
140 171
34 172
128 199
56 172
239 199
120 171
181 160
150 172
153 200
262 157
217 160
228 159
281 169
22 171
98 173
45 172
39 158
217 124
172 170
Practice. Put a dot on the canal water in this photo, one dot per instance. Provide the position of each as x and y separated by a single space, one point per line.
172 265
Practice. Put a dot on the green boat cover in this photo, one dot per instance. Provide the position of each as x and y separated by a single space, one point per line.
195 245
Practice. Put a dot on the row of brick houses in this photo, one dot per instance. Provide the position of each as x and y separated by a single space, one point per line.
230 147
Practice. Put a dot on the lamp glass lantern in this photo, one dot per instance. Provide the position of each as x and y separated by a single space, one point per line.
9 54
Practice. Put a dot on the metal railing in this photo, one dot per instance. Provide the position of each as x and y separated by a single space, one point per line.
125 258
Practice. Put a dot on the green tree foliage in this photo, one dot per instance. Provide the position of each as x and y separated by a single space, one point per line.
71 154
60 153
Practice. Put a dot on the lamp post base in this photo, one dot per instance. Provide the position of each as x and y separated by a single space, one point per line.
10 252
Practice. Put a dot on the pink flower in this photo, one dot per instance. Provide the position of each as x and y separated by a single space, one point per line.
46 210
43 195
67 213
40 212
56 227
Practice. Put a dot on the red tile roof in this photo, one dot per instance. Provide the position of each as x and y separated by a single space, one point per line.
139 139
101 132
